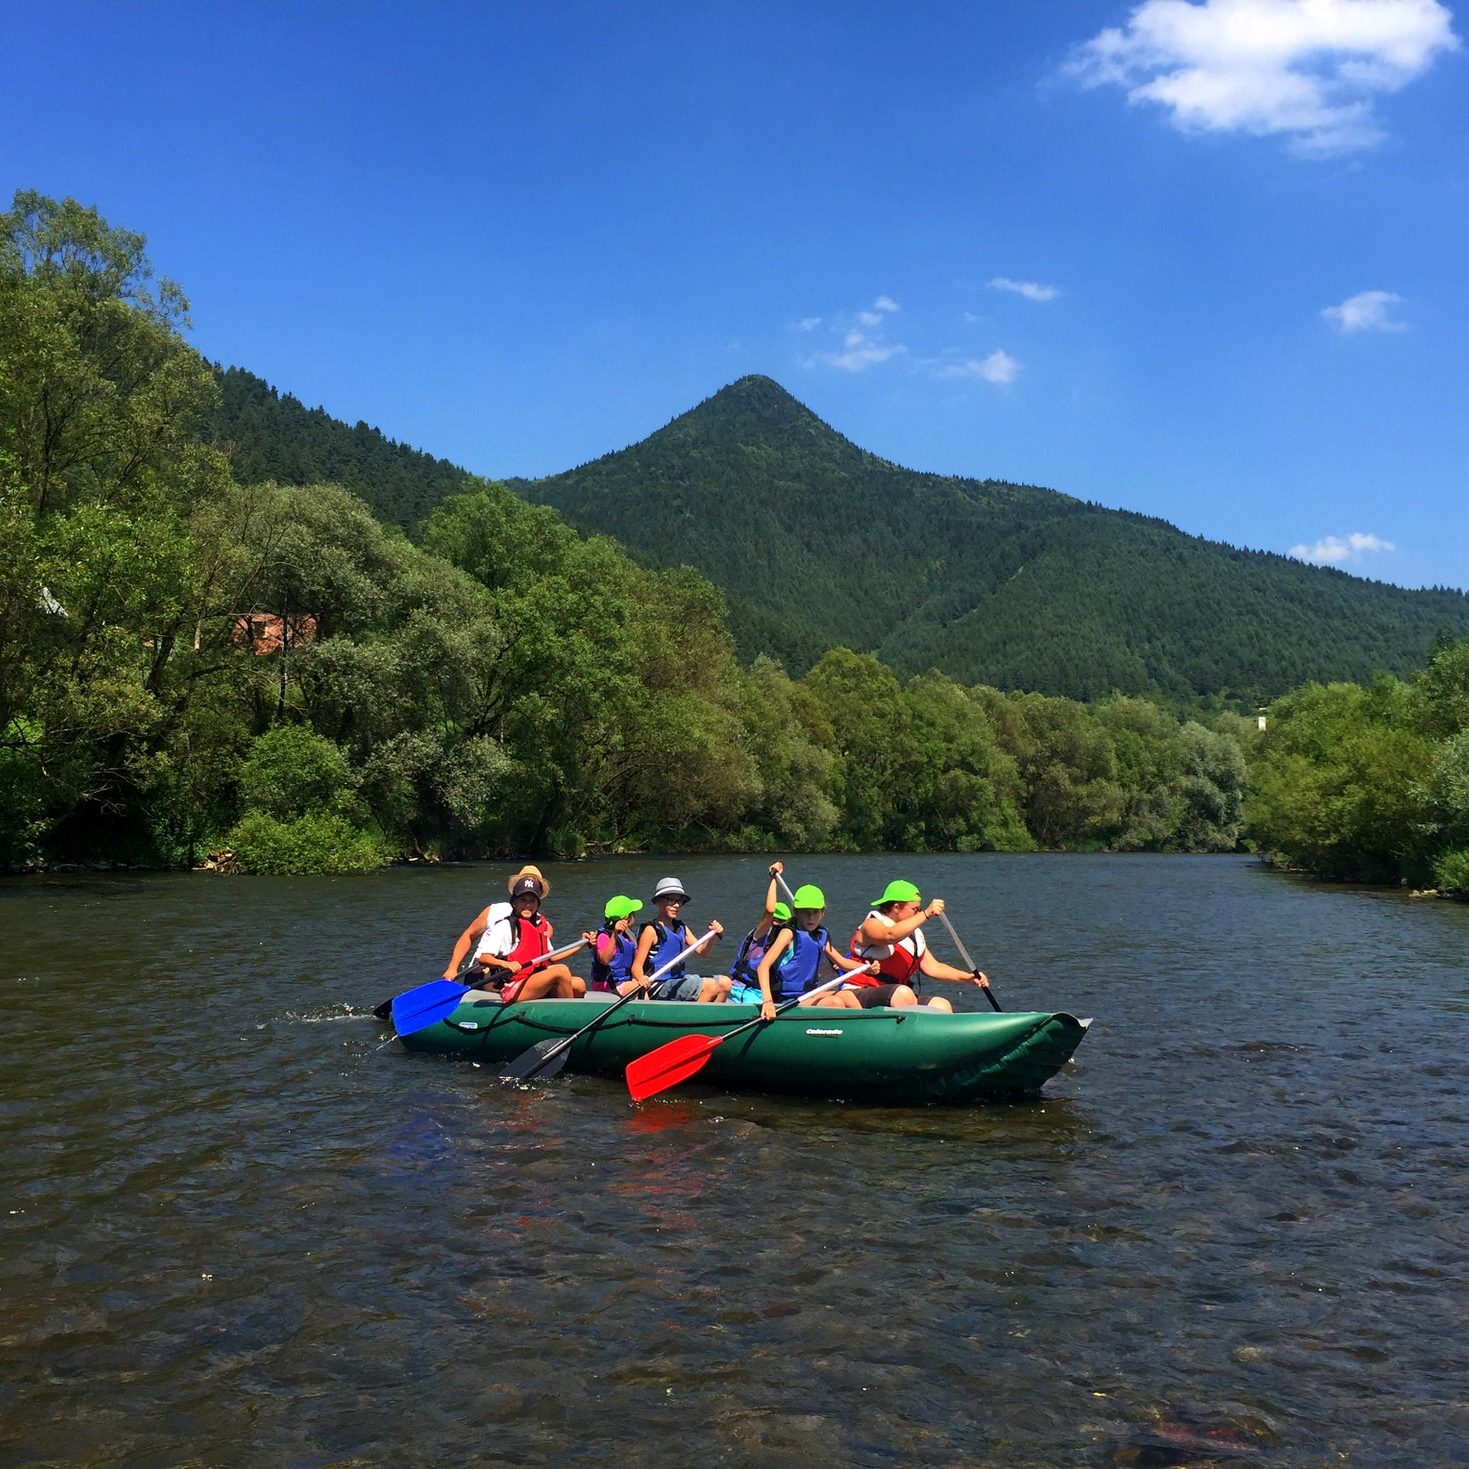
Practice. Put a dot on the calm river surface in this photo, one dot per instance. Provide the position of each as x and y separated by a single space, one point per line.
234 1231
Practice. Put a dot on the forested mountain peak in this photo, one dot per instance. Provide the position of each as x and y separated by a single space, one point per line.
753 421
817 542
757 412
754 403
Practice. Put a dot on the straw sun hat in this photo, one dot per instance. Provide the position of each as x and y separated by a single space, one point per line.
528 871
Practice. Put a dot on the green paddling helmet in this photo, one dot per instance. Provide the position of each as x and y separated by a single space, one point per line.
620 907
808 897
898 892
782 913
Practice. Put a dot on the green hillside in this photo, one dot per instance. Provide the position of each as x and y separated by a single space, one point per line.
817 542
271 435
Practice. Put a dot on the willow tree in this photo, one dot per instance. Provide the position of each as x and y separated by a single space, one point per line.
99 473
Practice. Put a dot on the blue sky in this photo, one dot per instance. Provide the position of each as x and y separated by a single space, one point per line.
519 236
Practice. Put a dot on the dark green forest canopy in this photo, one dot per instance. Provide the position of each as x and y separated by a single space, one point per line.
270 435
818 544
196 651
1010 585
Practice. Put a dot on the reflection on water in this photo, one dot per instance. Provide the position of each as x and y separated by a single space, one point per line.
237 1231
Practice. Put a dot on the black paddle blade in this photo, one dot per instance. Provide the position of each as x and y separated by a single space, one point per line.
544 1059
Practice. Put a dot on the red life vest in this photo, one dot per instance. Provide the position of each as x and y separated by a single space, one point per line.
531 941
898 966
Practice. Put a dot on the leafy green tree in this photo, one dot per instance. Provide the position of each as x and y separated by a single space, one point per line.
1149 761
317 843
869 725
795 809
1445 794
1212 785
292 771
98 477
1073 798
1335 786
1442 690
963 792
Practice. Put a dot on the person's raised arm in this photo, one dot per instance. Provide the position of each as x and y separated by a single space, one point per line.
772 893
466 945
715 929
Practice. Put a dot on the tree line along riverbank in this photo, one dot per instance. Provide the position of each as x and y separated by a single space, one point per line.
188 663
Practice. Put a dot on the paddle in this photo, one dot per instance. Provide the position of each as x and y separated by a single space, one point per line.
785 887
546 1058
681 1058
989 994
418 1008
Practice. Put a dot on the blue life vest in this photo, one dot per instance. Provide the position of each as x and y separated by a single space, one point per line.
751 952
672 939
619 971
795 971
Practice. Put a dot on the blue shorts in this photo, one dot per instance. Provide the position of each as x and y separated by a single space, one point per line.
686 988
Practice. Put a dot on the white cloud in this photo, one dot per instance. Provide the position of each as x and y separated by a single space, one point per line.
1333 550
858 353
1031 290
862 342
1307 69
998 367
808 323
1367 311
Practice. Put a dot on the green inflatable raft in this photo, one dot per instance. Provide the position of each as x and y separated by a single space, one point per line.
899 1057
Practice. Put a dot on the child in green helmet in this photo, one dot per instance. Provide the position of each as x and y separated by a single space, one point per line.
744 982
892 936
790 965
615 947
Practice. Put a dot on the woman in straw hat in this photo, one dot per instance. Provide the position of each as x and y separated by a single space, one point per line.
503 943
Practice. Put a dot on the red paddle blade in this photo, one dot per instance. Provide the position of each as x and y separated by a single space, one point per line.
669 1065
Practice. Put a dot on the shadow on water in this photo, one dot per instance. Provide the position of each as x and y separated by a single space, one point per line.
237 1230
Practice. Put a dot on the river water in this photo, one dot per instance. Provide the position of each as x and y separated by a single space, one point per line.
234 1230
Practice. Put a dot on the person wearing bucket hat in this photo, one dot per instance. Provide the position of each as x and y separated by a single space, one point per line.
892 936
500 948
744 982
662 937
789 967
532 874
615 947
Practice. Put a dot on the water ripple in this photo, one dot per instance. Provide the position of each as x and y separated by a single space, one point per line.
236 1231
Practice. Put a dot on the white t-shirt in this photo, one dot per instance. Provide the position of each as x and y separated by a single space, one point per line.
499 936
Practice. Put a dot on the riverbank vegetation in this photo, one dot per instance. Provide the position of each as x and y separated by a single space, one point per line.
192 661
1371 784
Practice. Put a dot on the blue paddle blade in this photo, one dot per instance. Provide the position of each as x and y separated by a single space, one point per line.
417 1009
